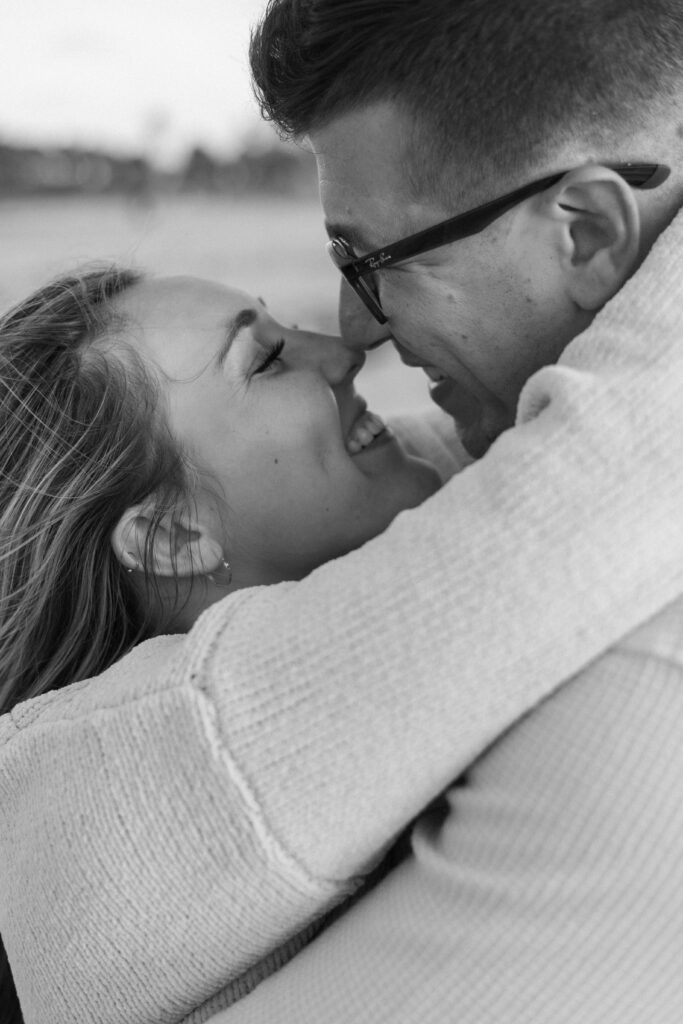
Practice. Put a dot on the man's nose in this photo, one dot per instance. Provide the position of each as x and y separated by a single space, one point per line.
337 362
358 327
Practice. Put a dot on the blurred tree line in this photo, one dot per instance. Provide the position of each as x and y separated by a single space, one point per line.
71 170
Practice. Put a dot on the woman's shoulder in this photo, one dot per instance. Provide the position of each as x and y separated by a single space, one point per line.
432 435
145 670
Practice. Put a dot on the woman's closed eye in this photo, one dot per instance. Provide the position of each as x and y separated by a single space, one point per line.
272 356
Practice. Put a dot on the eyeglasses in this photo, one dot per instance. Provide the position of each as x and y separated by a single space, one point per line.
357 268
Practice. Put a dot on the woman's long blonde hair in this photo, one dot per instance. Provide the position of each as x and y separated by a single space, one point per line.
81 438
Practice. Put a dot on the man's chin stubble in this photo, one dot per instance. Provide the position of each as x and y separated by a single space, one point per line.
470 417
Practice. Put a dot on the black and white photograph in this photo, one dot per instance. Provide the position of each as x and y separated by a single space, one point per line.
341 512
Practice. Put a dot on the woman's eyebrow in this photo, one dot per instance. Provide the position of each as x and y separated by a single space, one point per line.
245 318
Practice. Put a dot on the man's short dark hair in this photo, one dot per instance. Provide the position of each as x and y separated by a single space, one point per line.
495 84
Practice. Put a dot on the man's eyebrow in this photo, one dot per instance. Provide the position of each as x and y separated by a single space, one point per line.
245 318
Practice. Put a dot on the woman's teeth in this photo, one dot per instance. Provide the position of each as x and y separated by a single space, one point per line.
363 432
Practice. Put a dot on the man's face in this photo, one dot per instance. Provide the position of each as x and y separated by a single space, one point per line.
487 311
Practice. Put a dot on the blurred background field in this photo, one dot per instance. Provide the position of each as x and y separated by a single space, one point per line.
267 244
137 138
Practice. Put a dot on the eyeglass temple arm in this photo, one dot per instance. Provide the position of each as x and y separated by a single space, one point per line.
464 225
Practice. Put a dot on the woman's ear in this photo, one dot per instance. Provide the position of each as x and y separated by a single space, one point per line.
601 233
182 543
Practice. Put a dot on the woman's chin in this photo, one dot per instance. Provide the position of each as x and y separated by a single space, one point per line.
413 483
406 485
410 478
427 480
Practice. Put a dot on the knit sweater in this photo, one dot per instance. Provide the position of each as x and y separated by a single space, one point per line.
170 830
545 888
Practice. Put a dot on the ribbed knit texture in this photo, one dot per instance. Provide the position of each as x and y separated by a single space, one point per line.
168 829
546 889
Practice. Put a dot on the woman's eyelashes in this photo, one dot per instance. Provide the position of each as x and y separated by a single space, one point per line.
272 356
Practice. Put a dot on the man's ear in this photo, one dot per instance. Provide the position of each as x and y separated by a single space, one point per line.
183 544
601 233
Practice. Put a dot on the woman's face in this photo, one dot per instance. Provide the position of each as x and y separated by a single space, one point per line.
270 416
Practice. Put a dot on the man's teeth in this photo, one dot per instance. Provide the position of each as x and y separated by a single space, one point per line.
363 432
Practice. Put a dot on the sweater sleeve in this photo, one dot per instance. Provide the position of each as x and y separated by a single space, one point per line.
349 699
297 728
546 887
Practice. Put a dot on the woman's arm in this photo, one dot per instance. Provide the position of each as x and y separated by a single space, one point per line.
350 699
226 787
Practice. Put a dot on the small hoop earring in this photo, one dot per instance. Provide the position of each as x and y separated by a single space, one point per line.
224 583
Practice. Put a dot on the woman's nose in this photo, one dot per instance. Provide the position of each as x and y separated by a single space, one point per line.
332 357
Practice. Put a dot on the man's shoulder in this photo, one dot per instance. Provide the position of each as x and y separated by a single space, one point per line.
639 675
608 739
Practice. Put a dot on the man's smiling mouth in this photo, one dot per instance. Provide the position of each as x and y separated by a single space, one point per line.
434 374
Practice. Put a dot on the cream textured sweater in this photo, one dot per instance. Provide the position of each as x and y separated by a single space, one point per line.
547 888
166 828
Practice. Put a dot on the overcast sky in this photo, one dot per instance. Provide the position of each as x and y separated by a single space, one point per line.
157 75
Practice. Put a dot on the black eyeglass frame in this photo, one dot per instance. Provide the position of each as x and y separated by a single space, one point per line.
355 268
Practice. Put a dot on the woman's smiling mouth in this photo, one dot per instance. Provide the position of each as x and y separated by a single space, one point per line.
364 431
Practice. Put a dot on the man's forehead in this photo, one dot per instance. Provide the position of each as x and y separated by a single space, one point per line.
359 217
364 189
351 136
